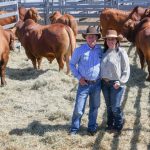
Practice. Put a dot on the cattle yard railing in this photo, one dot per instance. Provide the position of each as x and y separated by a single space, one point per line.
12 10
81 9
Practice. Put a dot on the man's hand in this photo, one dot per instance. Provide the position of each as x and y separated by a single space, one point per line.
82 81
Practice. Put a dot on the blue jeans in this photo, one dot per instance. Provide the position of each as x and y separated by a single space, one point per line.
93 91
113 98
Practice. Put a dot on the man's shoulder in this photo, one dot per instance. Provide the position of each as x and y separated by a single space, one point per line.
81 47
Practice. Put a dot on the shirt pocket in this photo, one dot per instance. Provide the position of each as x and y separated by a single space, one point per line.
85 58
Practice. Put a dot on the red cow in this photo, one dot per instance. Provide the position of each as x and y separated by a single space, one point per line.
112 19
7 20
33 14
24 14
6 44
115 19
138 13
66 19
50 41
139 32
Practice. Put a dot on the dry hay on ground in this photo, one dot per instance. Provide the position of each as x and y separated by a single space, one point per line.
36 109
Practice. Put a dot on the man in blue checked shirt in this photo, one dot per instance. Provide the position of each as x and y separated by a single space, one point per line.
85 66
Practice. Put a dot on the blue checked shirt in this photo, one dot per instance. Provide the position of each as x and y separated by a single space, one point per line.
85 62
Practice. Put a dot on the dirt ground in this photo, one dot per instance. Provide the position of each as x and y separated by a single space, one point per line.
36 109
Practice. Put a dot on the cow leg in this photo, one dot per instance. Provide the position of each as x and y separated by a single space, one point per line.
33 59
39 60
60 60
148 63
3 69
30 56
67 63
142 59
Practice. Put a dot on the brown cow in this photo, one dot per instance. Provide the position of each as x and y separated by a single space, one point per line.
33 14
139 32
7 20
115 19
112 19
66 19
24 14
138 13
50 41
6 44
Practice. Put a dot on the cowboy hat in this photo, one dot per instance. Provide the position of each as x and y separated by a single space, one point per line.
91 31
113 34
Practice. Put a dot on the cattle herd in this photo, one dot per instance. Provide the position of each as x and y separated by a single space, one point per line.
58 39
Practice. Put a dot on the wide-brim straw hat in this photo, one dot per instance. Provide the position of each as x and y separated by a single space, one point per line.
113 34
91 31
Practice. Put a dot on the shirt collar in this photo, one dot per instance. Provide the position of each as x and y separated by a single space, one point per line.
90 47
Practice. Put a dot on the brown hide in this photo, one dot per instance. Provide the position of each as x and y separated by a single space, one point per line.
66 19
50 41
112 19
22 11
6 44
24 14
7 20
136 15
142 42
33 14
139 31
139 13
116 19
53 18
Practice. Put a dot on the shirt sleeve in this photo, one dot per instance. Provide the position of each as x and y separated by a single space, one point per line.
125 67
74 62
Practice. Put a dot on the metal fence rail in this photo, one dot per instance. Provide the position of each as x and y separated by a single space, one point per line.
12 10
78 8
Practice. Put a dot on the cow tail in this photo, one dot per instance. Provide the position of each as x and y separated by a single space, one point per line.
71 38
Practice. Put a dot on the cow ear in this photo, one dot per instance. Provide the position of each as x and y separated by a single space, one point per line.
30 13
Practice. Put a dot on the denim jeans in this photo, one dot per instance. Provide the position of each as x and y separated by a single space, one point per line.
93 91
113 98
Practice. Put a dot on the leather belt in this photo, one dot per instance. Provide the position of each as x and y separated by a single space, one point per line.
91 81
105 79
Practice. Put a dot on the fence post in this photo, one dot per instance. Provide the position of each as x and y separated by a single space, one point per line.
46 11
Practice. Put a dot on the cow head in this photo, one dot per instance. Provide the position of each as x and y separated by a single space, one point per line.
137 13
53 18
128 30
33 14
